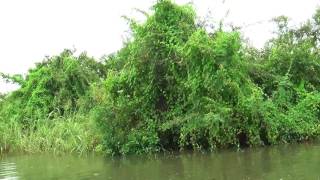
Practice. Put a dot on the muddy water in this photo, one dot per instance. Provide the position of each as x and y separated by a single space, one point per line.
277 162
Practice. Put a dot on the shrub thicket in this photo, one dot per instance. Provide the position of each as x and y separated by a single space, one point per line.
50 95
174 86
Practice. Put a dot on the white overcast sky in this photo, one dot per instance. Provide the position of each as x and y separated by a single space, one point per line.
32 29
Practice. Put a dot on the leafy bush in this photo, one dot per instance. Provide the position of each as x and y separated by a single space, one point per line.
31 118
53 88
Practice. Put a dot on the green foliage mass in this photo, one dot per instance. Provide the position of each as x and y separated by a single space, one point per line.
53 87
50 95
173 86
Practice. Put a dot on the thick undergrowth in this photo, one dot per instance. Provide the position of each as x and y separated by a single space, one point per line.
173 86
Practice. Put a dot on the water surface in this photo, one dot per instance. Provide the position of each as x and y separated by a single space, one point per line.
277 162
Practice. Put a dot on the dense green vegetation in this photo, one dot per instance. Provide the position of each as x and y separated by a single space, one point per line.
173 86
47 112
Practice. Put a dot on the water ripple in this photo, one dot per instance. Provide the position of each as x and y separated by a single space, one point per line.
8 171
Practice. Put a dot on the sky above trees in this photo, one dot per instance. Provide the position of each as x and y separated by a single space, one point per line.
31 30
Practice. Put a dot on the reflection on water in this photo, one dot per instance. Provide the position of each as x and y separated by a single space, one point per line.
280 162
8 171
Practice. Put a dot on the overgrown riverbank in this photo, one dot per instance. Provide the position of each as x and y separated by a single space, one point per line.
174 85
60 135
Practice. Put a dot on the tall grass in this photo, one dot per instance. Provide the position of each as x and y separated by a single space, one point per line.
75 134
